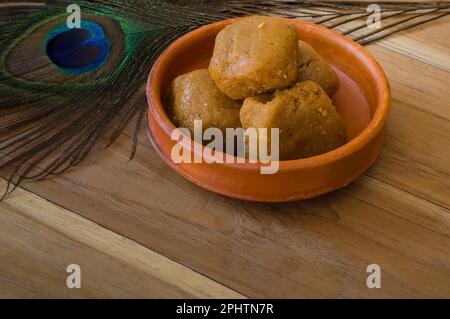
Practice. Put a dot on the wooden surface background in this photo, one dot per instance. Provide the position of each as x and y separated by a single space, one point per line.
137 229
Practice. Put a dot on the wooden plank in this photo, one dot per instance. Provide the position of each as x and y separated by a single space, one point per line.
428 43
396 216
38 240
414 83
286 250
416 157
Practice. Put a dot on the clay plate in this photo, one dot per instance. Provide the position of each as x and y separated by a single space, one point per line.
363 100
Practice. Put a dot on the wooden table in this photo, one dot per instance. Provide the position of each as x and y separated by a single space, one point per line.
137 229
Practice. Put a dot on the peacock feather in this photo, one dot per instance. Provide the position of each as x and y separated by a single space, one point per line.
65 90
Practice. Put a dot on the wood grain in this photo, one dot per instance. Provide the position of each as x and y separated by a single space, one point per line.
397 215
414 83
38 240
426 44
317 248
422 43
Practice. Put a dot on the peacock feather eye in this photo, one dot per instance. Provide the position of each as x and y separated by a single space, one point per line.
49 52
77 51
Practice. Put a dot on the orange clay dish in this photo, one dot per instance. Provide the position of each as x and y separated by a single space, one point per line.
362 103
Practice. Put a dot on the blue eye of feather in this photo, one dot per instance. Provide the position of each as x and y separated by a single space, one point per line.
77 51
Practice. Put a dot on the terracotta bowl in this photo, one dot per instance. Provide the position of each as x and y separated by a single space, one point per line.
363 101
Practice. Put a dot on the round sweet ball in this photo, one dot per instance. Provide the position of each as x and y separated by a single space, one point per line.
308 122
311 66
255 55
195 96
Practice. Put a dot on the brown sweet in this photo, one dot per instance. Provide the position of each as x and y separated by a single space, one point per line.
311 66
255 55
296 180
195 96
309 123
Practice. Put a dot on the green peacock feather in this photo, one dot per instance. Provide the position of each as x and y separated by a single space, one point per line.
64 90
